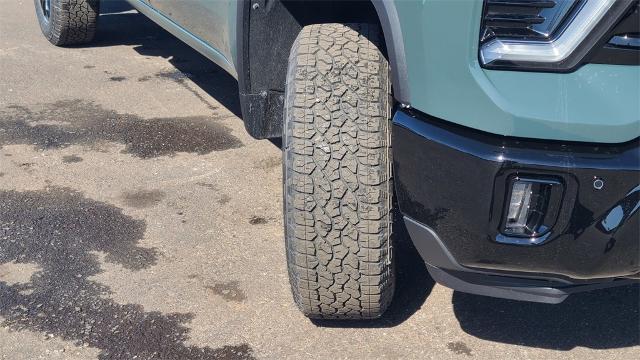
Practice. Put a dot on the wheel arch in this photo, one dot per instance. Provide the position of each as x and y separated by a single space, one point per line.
265 32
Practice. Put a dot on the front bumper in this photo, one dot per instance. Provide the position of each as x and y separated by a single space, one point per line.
451 184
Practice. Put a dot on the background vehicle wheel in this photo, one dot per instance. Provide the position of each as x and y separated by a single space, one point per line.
67 22
337 172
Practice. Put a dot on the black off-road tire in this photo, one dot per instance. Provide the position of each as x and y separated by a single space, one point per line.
68 22
337 172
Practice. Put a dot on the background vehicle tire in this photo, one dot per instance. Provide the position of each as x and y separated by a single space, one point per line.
337 172
67 22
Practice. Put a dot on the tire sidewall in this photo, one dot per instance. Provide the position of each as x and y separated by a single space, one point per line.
46 25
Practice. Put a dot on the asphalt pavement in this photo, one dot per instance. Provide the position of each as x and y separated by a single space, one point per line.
139 220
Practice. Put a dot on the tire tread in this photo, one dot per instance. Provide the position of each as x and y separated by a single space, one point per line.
337 172
72 22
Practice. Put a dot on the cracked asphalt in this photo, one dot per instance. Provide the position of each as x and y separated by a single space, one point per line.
138 220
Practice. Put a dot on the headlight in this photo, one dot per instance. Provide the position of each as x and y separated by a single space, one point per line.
544 34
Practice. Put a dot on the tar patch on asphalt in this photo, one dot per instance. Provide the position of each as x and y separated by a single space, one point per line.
268 164
65 123
143 198
70 159
460 348
229 291
57 231
224 199
258 220
207 185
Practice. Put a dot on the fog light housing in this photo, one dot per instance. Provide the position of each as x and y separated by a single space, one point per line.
531 209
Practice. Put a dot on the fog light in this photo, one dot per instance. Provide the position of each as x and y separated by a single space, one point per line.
519 207
532 206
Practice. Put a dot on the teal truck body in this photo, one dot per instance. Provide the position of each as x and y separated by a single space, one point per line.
598 102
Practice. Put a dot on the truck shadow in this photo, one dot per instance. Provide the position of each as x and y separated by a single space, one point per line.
603 319
119 24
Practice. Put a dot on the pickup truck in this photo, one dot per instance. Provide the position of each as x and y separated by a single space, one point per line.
504 133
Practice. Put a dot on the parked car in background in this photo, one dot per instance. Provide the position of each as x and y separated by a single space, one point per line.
505 133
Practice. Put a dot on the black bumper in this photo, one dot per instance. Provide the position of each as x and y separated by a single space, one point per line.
451 184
